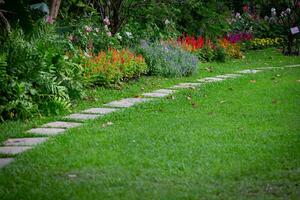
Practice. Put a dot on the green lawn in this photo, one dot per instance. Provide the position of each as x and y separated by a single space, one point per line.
238 139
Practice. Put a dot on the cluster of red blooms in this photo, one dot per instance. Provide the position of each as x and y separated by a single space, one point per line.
191 43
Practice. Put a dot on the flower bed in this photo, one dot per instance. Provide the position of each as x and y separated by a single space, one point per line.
113 66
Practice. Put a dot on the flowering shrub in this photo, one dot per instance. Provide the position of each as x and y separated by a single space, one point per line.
113 66
232 49
260 43
168 60
190 43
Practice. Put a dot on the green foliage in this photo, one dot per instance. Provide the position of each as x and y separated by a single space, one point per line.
36 76
167 60
209 54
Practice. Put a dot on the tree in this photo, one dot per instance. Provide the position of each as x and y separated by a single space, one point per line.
118 11
55 4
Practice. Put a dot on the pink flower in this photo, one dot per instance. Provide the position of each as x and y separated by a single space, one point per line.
49 19
109 34
106 21
71 38
88 29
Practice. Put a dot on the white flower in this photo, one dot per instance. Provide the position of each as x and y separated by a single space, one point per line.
129 34
266 18
238 15
106 28
119 36
288 11
97 30
167 22
109 34
273 12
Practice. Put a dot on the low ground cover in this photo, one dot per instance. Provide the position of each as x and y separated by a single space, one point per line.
235 139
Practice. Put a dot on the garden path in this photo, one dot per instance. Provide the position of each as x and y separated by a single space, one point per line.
15 146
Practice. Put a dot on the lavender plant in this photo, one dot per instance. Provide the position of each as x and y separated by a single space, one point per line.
168 60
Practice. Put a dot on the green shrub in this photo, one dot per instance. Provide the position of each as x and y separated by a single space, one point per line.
36 76
167 60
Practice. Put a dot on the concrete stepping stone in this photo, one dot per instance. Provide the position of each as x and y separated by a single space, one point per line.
82 117
5 161
155 94
102 111
25 141
165 91
210 79
60 124
226 76
297 65
12 150
128 102
186 86
249 71
46 131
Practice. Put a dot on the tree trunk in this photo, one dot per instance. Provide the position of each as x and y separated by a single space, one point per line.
55 4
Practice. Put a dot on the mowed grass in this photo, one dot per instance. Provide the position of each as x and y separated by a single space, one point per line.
238 139
98 96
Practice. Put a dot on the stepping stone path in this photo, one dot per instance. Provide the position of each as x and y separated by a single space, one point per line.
46 131
25 141
101 111
126 103
60 124
15 146
82 117
5 161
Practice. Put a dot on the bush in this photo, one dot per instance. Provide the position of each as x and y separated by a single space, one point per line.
36 76
113 66
232 50
167 60
260 43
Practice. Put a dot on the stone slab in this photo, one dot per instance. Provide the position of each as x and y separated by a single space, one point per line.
225 76
125 103
5 161
82 117
61 124
249 71
210 79
297 65
13 150
25 141
155 94
185 85
47 131
165 91
102 111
